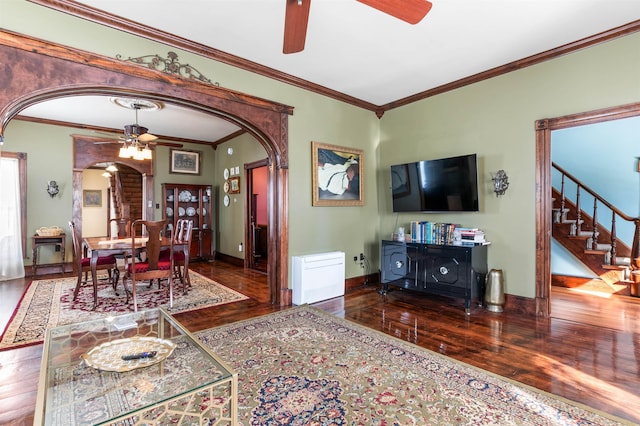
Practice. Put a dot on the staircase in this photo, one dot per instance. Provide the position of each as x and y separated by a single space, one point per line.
126 190
597 246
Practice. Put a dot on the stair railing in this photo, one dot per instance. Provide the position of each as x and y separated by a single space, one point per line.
121 207
635 248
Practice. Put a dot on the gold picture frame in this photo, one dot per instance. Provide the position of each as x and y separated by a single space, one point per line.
92 198
337 175
234 185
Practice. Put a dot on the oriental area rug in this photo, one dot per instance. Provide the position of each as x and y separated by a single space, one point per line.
49 303
303 366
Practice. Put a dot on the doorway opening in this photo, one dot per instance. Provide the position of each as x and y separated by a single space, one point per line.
257 215
544 193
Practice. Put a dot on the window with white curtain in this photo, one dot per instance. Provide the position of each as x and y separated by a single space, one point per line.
11 238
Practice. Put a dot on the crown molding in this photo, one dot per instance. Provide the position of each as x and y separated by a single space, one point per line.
85 12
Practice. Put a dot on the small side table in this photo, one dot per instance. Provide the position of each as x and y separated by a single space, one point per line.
39 241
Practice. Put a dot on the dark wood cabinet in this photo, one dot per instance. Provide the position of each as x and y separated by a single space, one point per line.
454 271
185 201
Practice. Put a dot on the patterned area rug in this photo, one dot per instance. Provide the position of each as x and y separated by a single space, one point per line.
303 366
48 303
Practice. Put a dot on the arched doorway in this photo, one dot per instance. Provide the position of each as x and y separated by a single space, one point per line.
49 71
87 153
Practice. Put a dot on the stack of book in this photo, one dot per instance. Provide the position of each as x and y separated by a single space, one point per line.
469 236
433 233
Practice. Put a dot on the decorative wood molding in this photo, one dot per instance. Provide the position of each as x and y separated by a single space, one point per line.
233 135
89 13
621 31
86 12
42 70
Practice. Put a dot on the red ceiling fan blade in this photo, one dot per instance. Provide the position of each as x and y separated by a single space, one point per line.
295 25
410 11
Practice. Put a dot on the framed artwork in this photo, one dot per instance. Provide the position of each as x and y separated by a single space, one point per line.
337 175
234 185
92 198
184 162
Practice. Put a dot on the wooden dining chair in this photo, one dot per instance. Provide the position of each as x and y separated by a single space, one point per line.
153 267
181 236
122 226
82 263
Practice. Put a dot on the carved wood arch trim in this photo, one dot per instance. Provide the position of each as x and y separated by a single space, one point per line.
36 70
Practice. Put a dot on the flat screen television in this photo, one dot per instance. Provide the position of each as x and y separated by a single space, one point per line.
441 185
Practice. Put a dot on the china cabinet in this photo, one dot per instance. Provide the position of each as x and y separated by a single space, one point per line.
186 201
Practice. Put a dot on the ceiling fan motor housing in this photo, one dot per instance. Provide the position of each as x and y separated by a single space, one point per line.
134 130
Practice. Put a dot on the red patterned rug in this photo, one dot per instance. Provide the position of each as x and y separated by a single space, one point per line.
48 303
303 366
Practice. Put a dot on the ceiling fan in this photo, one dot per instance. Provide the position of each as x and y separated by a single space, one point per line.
297 17
135 133
136 138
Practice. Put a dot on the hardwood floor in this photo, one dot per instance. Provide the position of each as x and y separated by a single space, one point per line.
588 351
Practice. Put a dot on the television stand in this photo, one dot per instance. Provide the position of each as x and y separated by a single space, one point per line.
448 270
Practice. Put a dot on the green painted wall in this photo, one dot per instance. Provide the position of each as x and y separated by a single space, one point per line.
494 118
350 229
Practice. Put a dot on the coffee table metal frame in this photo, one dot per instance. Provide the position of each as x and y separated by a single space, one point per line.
177 395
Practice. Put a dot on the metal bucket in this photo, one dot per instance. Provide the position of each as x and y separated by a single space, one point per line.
494 292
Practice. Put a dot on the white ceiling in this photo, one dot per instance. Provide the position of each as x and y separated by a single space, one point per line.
354 49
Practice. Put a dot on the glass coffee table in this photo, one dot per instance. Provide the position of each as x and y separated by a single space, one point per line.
172 378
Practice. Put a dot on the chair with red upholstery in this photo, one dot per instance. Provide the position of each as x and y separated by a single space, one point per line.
82 264
182 239
153 267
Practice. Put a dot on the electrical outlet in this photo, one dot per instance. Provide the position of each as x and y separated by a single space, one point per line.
361 256
355 258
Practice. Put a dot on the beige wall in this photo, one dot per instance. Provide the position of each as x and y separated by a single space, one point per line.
493 118
94 219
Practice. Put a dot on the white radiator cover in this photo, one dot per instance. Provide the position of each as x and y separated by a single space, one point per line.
318 277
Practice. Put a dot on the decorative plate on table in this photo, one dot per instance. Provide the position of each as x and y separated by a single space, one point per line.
184 196
108 356
180 211
169 211
191 211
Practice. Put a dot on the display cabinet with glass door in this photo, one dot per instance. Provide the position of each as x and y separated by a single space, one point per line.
186 201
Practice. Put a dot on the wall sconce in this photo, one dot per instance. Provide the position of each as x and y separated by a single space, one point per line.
500 182
52 188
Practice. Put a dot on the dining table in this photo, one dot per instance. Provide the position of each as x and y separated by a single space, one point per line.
106 246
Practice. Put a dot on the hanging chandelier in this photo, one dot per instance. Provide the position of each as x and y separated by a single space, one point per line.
135 150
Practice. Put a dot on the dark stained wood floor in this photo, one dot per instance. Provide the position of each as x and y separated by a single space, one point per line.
588 352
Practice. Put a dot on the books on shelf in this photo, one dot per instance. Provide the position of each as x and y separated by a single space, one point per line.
446 233
432 232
